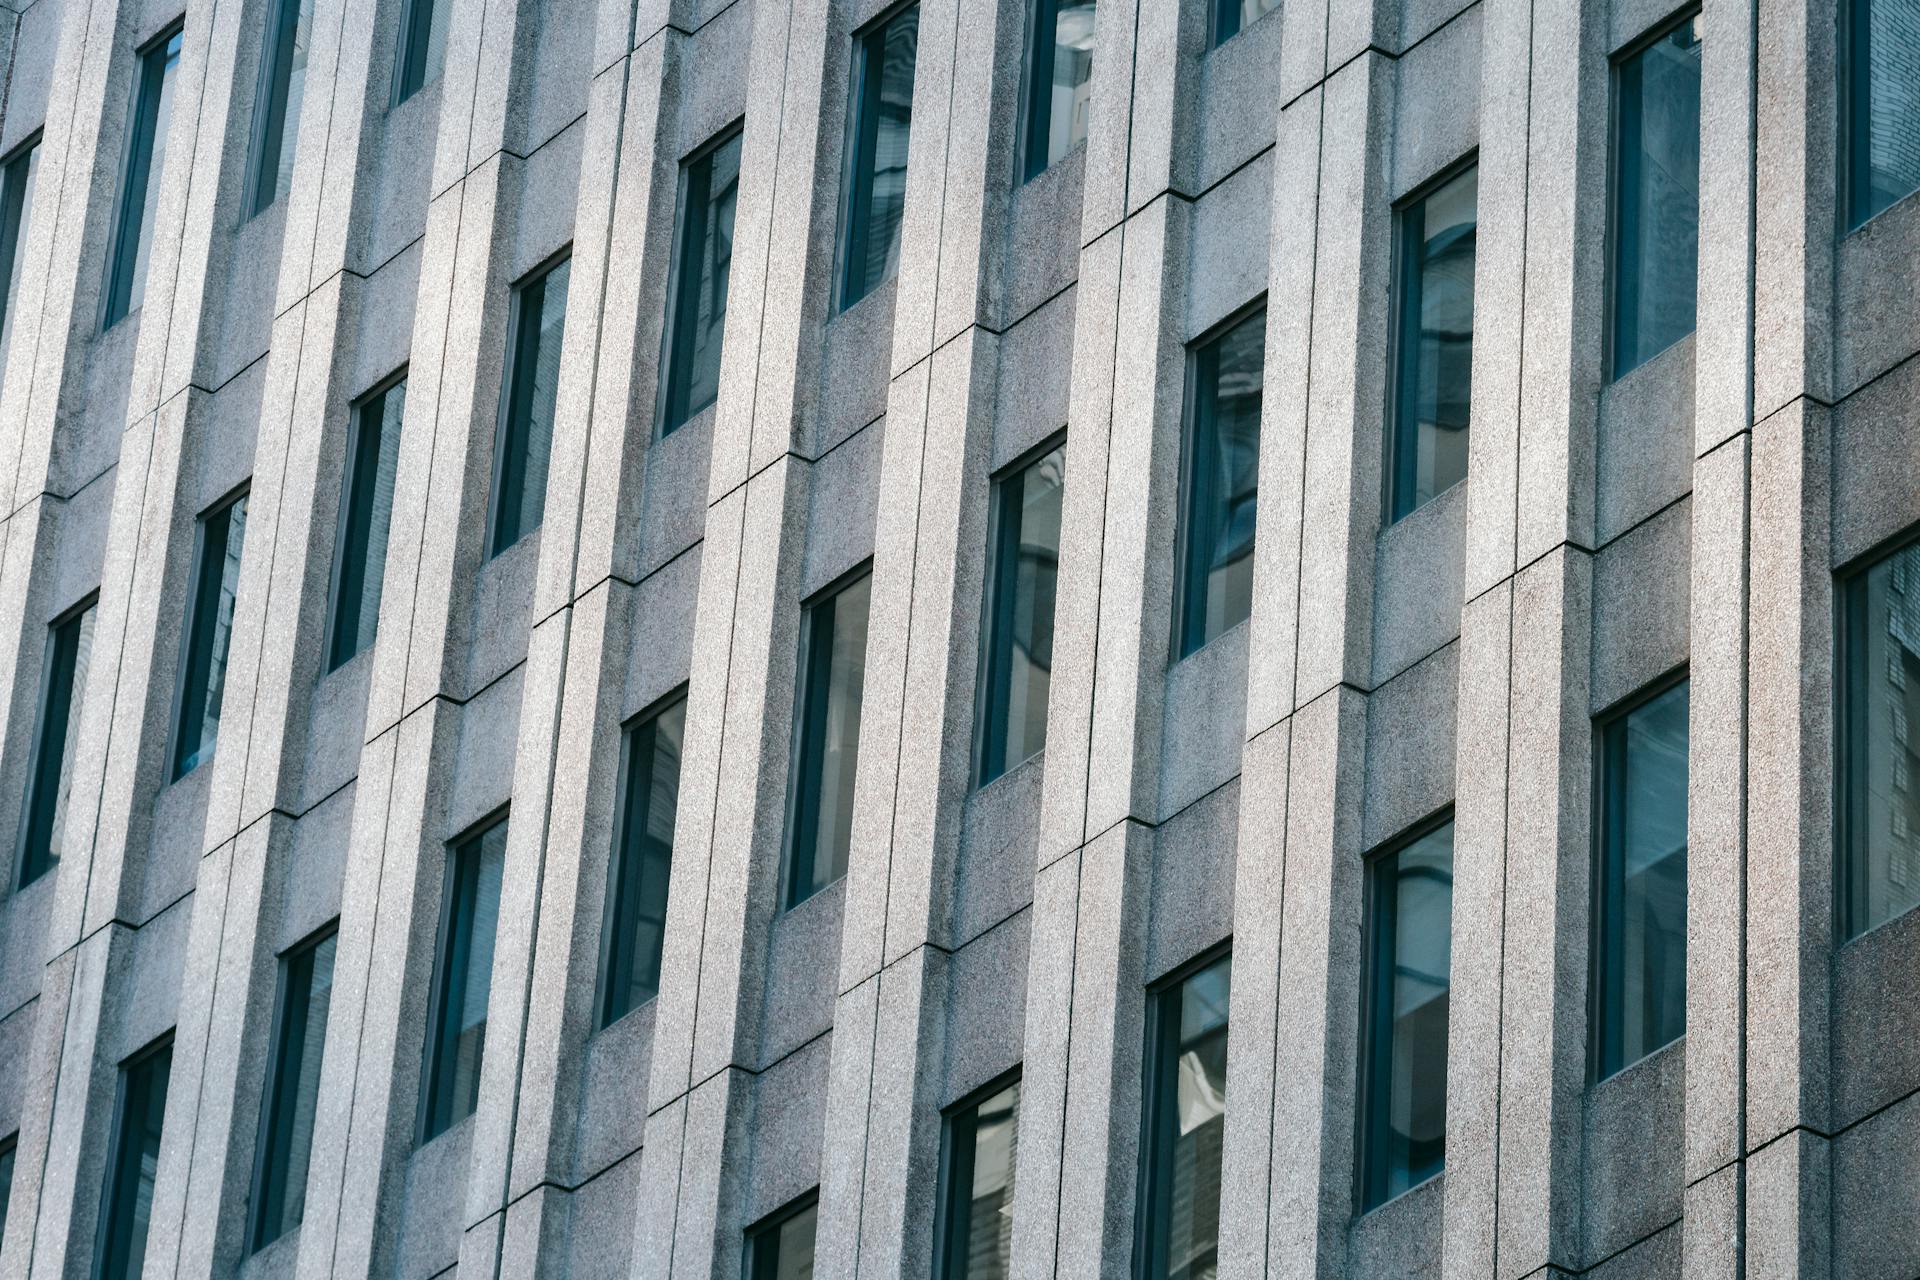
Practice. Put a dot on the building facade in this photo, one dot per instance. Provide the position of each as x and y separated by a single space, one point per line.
593 688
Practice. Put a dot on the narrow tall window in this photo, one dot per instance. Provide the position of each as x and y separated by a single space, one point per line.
533 380
882 116
833 667
282 89
780 1247
463 979
1433 358
1879 753
140 184
69 646
637 918
1059 81
976 1227
16 212
1656 195
293 1089
1230 17
1640 908
710 188
1016 667
209 631
134 1164
1882 88
1409 953
1186 1124
1220 482
7 1149
373 459
423 47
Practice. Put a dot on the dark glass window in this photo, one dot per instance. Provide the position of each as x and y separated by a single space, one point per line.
1059 80
781 1247
1221 478
1433 356
882 116
209 632
6 1183
423 47
1230 17
1409 953
69 648
293 1089
1186 1124
1640 907
360 565
282 89
134 1165
1880 744
140 186
1656 195
533 380
1882 104
1017 663
16 212
710 188
463 979
637 887
976 1230
833 667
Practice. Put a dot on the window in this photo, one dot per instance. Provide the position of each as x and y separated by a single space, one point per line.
16 209
637 886
1656 196
882 113
1640 885
1404 1035
1433 356
463 978
533 379
293 1089
709 187
209 632
140 188
282 88
69 647
7 1149
423 47
1059 81
833 666
1186 1122
1016 666
1230 17
780 1247
1880 744
360 559
1220 482
133 1165
1882 97
976 1229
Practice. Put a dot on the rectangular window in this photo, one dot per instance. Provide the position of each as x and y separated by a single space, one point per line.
360 560
533 380
7 1149
1882 88
1059 81
1640 885
703 267
1656 196
976 1227
879 122
133 1165
423 47
1231 17
1879 753
282 88
209 631
833 667
780 1247
293 1089
140 186
1186 1122
637 884
1409 950
1016 667
1433 357
16 212
463 979
69 648
1220 477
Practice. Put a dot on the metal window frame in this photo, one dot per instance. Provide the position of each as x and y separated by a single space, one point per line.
410 50
202 609
268 1146
862 137
615 999
73 616
513 417
953 1184
760 1265
347 561
14 217
812 690
458 890
277 41
688 248
109 1241
994 667
136 173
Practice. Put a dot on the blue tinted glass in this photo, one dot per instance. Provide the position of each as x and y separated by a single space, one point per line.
1883 97
827 732
1188 1108
533 387
1657 197
371 472
638 922
712 186
210 634
1222 481
1018 667
465 980
1059 80
1880 756
1434 356
877 171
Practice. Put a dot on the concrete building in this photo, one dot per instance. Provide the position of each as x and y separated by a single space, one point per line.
617 615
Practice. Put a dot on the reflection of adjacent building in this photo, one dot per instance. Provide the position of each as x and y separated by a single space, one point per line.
1892 709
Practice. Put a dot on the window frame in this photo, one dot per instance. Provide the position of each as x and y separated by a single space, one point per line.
768 1226
116 296
73 615
953 1183
680 259
519 363
16 217
862 138
1036 89
800 751
1159 1099
428 1124
991 671
268 1136
106 1241
1853 97
278 38
612 933
178 765
411 44
350 480
9 1157
1217 34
